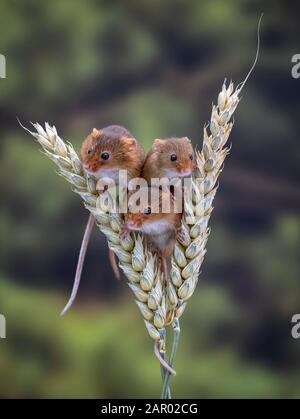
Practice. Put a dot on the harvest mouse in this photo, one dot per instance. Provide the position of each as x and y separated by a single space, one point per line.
170 158
104 153
158 218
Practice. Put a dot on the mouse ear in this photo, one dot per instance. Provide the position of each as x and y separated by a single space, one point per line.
158 141
96 133
128 140
187 139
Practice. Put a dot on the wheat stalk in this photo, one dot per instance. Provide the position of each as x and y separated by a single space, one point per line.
160 304
189 253
139 265
190 249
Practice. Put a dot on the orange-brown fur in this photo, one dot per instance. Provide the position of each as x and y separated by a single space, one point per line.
124 151
158 162
161 228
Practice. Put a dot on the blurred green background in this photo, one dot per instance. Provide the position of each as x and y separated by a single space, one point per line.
155 67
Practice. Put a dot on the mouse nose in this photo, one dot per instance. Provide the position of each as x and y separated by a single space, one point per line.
186 172
131 224
88 167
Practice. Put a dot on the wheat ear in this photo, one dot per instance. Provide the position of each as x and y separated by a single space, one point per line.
190 250
139 265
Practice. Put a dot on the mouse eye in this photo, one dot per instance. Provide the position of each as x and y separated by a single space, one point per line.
90 150
147 211
173 157
191 156
105 156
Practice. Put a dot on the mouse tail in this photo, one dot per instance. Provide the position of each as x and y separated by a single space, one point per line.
80 263
164 268
162 361
113 264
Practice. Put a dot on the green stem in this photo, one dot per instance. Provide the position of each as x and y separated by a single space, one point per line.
163 355
176 336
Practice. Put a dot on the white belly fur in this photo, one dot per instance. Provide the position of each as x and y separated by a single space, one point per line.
160 233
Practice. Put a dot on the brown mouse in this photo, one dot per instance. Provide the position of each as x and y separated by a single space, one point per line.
104 153
158 218
169 158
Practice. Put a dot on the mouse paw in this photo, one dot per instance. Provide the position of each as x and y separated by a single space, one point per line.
124 233
180 235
